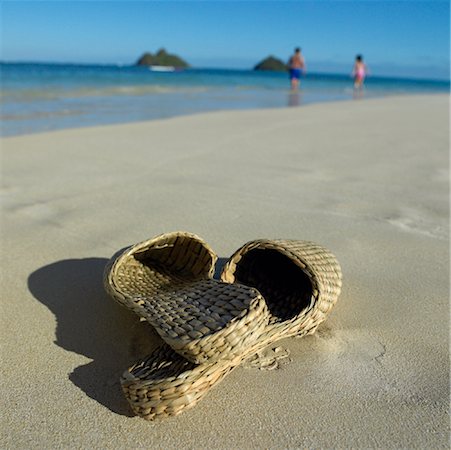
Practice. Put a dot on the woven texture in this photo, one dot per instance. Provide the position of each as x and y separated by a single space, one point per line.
165 384
299 280
297 284
166 280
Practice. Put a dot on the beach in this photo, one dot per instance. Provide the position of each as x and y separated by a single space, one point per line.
368 179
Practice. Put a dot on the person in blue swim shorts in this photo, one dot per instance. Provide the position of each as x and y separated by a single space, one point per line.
296 64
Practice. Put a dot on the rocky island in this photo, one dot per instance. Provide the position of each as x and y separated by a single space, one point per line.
271 63
162 58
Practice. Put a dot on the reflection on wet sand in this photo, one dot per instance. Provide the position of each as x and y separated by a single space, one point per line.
357 93
294 98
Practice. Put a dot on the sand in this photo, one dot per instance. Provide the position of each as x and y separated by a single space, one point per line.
368 179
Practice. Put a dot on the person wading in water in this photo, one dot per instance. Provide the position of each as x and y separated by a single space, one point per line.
296 65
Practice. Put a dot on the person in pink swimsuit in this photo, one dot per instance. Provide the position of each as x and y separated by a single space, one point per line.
359 72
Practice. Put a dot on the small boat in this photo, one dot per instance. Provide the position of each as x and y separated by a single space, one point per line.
162 68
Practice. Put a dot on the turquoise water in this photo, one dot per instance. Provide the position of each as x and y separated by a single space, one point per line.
39 97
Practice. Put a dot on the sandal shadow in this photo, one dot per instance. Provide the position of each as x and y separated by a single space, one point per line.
89 323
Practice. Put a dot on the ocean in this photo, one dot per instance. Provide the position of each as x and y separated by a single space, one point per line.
42 97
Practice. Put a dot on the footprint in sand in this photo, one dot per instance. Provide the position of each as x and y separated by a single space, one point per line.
42 212
414 221
355 345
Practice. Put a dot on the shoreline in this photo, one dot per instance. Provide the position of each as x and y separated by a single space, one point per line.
369 180
236 110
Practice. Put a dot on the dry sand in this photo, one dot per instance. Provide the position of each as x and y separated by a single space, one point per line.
368 179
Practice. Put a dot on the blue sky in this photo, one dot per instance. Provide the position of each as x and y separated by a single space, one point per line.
404 38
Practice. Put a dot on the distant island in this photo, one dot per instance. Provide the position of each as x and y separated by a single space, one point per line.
271 63
161 58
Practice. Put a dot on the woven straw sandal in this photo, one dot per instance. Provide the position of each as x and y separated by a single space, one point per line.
300 281
167 281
